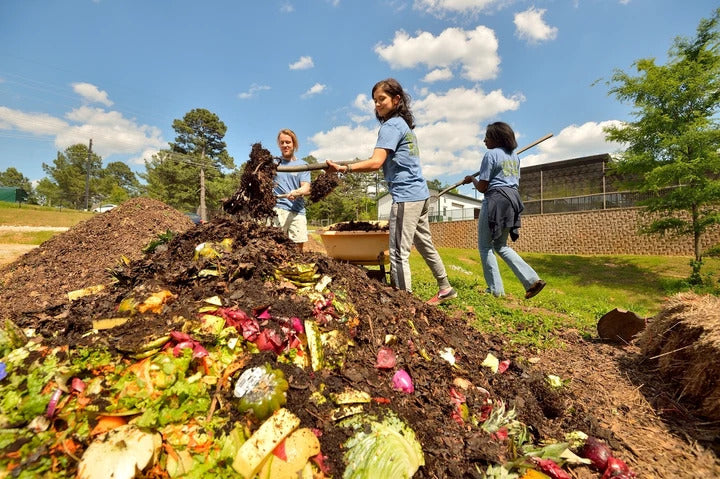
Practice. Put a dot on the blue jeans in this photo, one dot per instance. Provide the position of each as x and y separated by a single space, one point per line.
488 248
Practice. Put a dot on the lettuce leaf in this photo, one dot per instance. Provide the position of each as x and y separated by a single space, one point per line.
389 449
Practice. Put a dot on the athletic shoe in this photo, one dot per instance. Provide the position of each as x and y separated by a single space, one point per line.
442 297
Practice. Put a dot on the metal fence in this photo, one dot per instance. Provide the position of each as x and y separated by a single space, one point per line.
606 201
617 199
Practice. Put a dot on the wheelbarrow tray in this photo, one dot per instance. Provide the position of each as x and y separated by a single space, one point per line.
359 247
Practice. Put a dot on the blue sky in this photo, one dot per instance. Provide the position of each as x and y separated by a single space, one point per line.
120 72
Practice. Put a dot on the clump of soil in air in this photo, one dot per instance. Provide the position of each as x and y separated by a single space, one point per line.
323 185
359 226
254 198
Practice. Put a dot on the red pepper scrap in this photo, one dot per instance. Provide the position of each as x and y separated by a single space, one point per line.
549 467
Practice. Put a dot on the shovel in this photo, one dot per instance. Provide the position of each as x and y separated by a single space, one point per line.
477 172
310 167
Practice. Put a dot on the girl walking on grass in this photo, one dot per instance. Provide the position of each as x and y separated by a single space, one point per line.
500 213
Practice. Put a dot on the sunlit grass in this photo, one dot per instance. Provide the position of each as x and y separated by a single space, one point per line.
32 215
580 290
26 237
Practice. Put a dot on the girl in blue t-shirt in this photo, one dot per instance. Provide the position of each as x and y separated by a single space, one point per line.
498 180
397 153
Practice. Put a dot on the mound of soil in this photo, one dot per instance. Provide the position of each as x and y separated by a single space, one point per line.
39 281
452 449
610 394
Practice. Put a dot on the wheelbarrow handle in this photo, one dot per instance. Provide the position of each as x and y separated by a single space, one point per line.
527 147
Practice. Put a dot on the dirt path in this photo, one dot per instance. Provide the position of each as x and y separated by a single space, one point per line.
11 252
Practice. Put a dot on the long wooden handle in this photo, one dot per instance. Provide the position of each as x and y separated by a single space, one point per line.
527 147
310 167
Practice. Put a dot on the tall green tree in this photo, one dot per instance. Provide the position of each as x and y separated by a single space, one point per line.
67 176
68 172
673 143
191 174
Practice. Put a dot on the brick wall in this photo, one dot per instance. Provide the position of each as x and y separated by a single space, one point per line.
587 232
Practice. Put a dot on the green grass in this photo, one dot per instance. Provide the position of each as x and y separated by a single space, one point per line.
580 289
26 237
31 215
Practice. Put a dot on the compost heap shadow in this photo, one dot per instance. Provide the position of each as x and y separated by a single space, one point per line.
248 276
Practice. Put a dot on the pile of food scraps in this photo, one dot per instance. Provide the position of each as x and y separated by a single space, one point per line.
226 349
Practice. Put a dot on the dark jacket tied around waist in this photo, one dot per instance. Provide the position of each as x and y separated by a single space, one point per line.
504 208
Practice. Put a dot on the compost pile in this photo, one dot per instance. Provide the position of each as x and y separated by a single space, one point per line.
159 354
38 282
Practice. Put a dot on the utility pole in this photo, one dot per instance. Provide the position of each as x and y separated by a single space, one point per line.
87 178
203 209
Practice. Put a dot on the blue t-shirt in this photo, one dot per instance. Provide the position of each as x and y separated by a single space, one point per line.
499 168
285 182
402 166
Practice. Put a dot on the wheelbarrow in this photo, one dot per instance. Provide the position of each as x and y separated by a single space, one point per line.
362 248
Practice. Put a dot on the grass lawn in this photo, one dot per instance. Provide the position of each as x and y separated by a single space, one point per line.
32 215
580 289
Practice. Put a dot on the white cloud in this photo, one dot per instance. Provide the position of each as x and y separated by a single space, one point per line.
92 93
531 26
35 123
314 90
287 8
573 142
449 130
302 64
439 74
111 132
440 7
475 50
254 88
464 105
364 103
344 143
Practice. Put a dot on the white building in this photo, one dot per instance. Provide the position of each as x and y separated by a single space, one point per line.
448 207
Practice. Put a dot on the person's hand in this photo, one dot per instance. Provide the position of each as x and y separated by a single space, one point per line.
332 166
468 179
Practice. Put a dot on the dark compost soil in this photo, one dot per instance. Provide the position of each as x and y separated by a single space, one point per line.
612 394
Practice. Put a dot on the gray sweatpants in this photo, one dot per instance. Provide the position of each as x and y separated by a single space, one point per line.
409 226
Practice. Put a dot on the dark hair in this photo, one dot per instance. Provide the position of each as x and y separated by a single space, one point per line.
502 135
392 87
